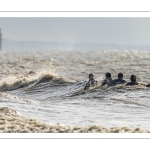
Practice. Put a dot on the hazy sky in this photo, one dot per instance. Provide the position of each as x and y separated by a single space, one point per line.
131 31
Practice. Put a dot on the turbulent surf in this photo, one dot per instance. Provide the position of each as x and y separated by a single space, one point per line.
49 86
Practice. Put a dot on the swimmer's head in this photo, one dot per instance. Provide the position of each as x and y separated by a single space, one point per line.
120 75
108 75
91 76
133 78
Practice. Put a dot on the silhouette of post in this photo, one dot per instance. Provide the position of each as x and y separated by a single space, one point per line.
0 40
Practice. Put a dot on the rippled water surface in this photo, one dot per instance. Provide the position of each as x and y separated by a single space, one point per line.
48 86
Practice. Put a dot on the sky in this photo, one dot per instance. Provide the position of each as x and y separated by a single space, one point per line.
121 31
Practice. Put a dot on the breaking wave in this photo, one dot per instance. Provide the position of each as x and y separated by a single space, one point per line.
29 80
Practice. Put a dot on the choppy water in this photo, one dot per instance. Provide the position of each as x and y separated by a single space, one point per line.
48 86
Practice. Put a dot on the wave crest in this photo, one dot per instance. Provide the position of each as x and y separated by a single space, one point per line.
25 80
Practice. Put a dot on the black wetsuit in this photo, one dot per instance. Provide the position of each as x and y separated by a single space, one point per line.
107 81
90 83
132 83
118 81
148 85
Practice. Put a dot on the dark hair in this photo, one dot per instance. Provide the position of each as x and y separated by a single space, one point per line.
91 75
120 75
108 75
133 78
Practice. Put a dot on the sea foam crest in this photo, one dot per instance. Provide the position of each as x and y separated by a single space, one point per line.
13 82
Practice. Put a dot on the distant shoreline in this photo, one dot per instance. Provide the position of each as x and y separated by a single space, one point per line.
8 44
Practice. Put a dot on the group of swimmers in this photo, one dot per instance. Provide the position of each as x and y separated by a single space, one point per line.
110 82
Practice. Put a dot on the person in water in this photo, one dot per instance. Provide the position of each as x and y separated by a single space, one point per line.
108 80
119 80
133 80
91 82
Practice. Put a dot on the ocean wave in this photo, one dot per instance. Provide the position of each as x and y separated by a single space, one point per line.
29 80
12 121
78 88
45 78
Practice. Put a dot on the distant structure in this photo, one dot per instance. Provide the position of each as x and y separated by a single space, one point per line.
0 40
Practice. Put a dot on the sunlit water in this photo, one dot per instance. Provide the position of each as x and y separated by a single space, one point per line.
48 86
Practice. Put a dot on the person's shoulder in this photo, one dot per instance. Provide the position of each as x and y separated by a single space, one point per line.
110 79
124 81
119 81
115 80
93 81
148 85
104 82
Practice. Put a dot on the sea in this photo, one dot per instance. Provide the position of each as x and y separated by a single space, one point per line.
48 85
